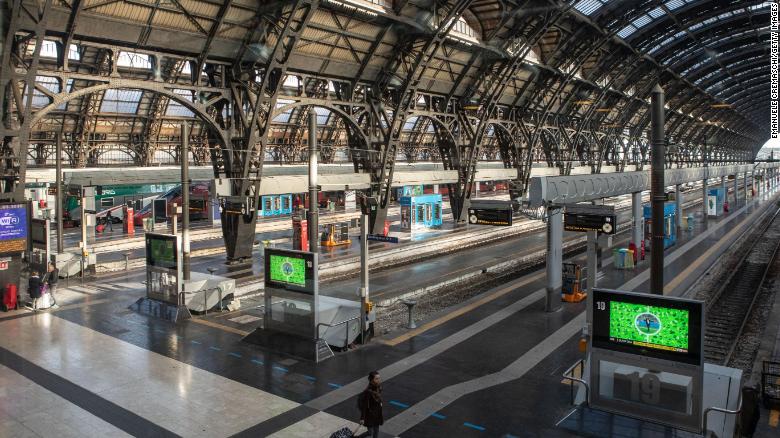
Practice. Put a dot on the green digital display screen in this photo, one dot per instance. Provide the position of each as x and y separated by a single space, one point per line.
648 326
290 270
161 251
287 270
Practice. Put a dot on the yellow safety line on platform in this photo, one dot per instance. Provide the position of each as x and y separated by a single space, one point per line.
437 322
219 326
672 285
774 418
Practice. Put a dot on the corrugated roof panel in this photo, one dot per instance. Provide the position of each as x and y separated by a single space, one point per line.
173 20
128 11
202 8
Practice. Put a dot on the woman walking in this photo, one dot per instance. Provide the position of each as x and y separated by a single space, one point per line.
370 404
52 277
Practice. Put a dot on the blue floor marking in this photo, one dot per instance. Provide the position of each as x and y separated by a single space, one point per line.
474 426
235 355
335 385
215 348
284 370
195 342
399 404
259 362
439 416
309 377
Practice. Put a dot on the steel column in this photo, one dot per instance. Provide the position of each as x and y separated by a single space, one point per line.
657 194
736 190
313 189
554 258
185 200
364 297
593 239
58 199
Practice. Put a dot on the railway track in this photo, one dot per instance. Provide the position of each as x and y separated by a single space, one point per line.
728 310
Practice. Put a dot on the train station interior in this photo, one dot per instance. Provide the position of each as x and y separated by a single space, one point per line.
389 218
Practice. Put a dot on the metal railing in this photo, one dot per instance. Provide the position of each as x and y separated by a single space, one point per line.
182 301
569 375
722 411
346 332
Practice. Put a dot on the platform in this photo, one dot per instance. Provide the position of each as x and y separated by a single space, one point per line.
119 372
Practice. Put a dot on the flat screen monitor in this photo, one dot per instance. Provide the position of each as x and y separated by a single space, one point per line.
162 251
288 269
14 228
648 325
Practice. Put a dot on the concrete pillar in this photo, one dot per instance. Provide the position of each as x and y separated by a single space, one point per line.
745 187
435 188
593 237
678 205
637 232
554 258
736 190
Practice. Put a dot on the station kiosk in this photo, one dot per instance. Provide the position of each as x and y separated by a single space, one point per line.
421 212
645 371
670 227
716 198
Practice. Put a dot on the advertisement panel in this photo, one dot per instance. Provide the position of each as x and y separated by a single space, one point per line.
14 228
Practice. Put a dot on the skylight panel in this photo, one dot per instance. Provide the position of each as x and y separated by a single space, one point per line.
641 21
177 109
120 101
39 99
134 60
657 12
73 53
587 7
49 49
674 4
627 31
323 114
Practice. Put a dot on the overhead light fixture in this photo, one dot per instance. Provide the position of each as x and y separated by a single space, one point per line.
583 102
721 105
603 110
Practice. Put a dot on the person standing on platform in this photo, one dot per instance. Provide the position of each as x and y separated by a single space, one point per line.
52 276
370 405
34 285
110 221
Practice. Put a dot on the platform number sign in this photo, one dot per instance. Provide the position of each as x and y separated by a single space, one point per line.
645 387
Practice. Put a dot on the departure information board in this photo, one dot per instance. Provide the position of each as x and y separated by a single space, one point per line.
14 228
648 325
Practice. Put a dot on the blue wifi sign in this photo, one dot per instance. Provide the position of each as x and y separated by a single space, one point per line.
13 222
